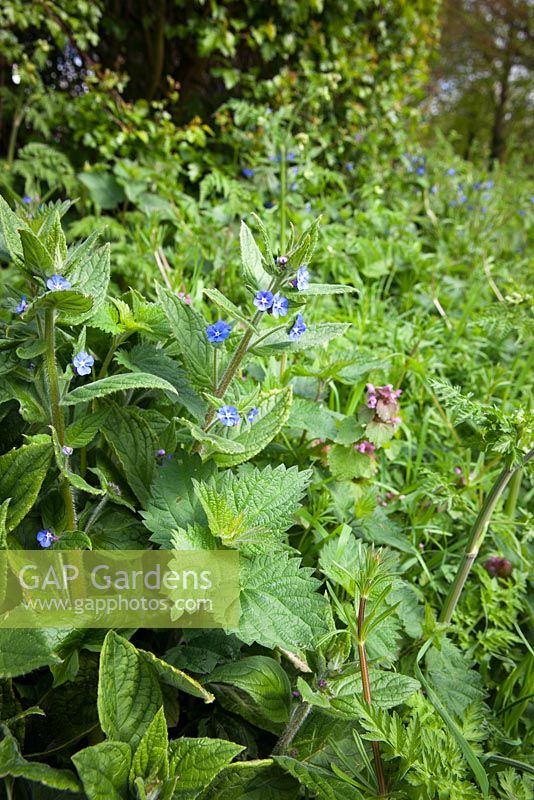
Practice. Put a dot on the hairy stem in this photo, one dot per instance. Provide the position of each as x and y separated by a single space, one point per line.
477 534
296 720
366 684
513 493
56 411
283 210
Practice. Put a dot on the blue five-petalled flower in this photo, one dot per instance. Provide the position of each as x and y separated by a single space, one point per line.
229 416
22 306
252 414
57 283
302 278
46 538
298 328
279 306
82 363
218 332
263 300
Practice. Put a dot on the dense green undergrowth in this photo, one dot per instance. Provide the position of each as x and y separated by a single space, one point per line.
127 424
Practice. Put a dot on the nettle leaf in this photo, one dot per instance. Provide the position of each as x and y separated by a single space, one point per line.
450 674
197 761
280 604
314 418
150 359
220 444
257 688
37 259
232 310
389 689
252 260
131 439
273 412
315 336
10 225
252 504
323 783
172 504
347 463
150 760
14 765
189 330
90 275
82 431
128 691
73 306
104 770
22 473
55 241
23 650
116 383
260 779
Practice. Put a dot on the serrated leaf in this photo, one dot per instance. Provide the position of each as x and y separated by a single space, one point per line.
22 473
131 439
252 260
280 604
273 412
24 650
13 764
189 330
389 689
314 289
315 336
379 432
323 783
73 478
37 259
264 691
91 276
175 678
197 761
128 691
103 188
150 759
346 463
104 770
221 444
82 432
252 504
116 383
260 779
73 306
455 683
10 225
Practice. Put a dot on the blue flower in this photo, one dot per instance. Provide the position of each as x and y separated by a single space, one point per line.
477 185
294 170
453 203
522 212
488 185
462 199
291 156
82 363
46 538
27 199
298 328
229 416
451 171
279 306
66 450
349 166
293 187
252 414
57 283
248 172
218 332
22 306
483 210
421 170
268 204
532 199
263 300
302 279
434 189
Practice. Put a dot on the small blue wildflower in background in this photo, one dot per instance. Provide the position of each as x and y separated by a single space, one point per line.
248 172
27 199
279 306
82 363
57 283
282 260
421 170
477 185
453 203
263 300
252 414
291 156
451 171
66 450
488 185
298 328
532 199
22 306
229 416
268 204
46 538
294 170
302 279
358 137
470 207
462 198
293 187
218 332
483 210
349 166
522 212
434 189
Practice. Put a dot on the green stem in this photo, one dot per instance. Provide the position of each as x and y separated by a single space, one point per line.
475 539
283 210
215 377
296 720
56 411
366 685
17 121
513 493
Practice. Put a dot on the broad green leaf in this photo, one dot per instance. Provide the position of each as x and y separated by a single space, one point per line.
197 761
280 604
260 779
315 336
314 418
269 256
171 676
457 685
379 432
3 530
304 249
232 311
24 650
128 691
326 288
91 276
220 444
10 225
189 330
82 431
347 463
55 241
273 408
13 764
257 688
73 306
150 759
104 770
252 504
389 689
103 188
252 260
37 259
130 437
73 478
22 473
321 782
116 383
